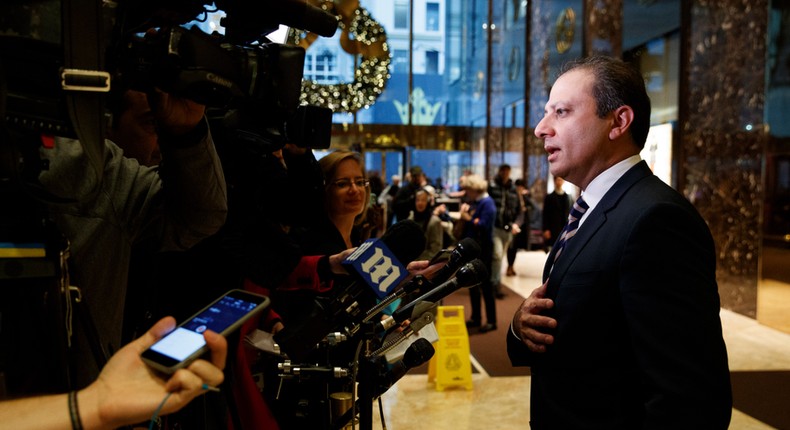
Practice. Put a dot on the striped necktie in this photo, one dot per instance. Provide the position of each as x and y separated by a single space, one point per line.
578 209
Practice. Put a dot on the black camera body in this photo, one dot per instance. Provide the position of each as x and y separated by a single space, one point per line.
250 85
252 91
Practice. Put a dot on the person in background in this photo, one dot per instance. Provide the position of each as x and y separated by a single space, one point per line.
556 207
388 195
403 202
376 184
503 192
431 224
625 331
477 221
526 214
126 392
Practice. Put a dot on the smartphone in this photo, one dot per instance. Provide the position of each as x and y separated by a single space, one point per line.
183 345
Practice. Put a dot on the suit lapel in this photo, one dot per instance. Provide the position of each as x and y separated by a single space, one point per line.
590 226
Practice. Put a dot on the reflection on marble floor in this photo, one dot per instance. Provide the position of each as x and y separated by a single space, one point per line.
503 403
773 299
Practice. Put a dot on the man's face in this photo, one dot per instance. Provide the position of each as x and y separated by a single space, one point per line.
136 130
576 139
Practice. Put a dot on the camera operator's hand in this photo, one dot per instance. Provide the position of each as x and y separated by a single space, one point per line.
294 149
175 116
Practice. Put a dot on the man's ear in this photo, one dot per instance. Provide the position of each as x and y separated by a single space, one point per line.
622 118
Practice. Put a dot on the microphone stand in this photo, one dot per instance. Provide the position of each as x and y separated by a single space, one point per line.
367 372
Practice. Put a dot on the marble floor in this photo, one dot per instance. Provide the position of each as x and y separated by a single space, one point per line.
503 403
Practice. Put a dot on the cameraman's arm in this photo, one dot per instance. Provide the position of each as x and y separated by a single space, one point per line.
185 200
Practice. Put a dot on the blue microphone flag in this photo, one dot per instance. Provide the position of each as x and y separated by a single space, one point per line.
377 266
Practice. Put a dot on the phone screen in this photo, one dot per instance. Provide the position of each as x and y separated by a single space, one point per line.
187 339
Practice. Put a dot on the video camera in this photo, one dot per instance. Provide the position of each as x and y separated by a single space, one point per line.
250 84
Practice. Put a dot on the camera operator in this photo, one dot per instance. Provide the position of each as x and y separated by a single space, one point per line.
126 392
129 205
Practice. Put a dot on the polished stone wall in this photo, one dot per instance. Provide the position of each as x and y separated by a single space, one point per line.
603 33
721 136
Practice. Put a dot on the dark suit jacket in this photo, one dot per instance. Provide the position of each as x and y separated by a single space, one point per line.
638 343
555 214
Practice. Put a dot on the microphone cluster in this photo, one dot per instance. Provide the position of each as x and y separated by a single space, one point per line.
351 314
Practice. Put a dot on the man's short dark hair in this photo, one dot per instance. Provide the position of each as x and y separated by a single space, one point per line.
617 83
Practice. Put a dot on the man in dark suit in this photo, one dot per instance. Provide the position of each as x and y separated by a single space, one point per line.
625 331
556 206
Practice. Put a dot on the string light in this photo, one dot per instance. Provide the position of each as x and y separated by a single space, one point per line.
370 76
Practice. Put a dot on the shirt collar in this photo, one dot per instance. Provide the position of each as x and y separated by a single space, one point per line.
599 186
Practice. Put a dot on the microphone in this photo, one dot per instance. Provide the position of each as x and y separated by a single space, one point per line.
404 241
377 262
247 20
416 354
470 275
465 251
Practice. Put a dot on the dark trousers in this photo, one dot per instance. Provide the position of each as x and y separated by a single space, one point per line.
520 241
486 288
488 297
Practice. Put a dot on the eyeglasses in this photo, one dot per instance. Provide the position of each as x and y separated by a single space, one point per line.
343 184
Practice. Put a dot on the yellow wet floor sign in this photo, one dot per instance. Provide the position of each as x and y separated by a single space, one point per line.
450 365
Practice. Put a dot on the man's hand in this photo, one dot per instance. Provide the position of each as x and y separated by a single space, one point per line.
527 321
175 116
424 268
128 391
465 212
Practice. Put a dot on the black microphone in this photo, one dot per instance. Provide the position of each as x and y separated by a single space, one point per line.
416 354
247 20
465 251
470 275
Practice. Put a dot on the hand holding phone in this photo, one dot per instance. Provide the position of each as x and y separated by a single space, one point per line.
185 344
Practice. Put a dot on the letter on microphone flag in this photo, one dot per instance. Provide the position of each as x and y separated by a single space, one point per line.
377 265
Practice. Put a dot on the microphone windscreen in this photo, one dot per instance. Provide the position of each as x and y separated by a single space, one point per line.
418 353
304 16
405 239
472 273
469 248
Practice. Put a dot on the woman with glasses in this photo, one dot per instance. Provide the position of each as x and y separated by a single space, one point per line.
346 198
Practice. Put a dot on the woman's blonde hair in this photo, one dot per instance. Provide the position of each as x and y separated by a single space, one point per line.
475 182
329 165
